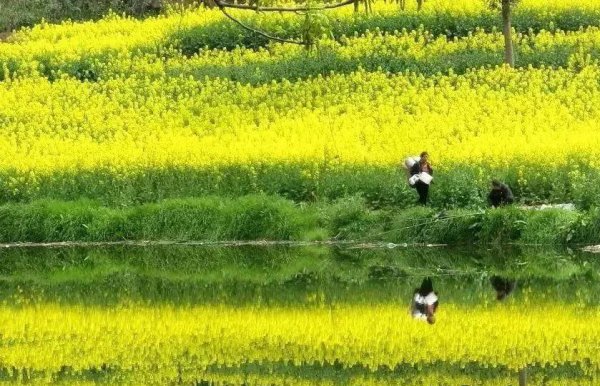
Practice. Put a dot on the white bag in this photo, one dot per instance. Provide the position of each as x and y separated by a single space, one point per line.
413 180
425 177
411 161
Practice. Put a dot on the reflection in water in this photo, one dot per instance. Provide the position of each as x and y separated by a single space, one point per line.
296 316
502 286
425 302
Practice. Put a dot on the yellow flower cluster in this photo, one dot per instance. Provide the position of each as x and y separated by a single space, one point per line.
150 107
164 342
487 117
52 44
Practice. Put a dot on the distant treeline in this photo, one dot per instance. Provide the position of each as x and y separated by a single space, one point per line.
19 13
22 13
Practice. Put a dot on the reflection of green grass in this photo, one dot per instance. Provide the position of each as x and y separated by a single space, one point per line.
472 374
112 282
292 375
287 275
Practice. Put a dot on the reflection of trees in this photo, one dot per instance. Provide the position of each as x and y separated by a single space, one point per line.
523 377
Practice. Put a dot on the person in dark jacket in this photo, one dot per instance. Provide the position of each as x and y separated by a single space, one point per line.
502 286
424 302
500 194
423 166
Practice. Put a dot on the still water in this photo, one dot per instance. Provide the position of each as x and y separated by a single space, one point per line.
298 316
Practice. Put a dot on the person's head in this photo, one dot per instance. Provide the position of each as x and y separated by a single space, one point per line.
496 184
431 319
424 157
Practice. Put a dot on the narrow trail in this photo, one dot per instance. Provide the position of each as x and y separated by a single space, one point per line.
348 244
232 243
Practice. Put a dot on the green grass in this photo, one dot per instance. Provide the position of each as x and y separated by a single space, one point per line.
263 217
379 186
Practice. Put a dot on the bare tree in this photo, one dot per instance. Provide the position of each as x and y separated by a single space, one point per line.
313 22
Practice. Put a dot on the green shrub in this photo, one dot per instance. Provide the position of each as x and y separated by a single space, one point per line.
409 225
262 217
502 225
549 226
348 218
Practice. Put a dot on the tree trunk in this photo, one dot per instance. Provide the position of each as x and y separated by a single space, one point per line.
356 5
509 55
420 5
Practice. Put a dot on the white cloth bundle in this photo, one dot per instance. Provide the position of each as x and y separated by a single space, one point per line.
426 177
413 180
411 161
428 300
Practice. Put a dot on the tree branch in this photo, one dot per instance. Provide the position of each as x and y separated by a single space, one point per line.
222 4
246 27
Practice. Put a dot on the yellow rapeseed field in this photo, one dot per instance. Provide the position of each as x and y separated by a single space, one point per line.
120 99
491 118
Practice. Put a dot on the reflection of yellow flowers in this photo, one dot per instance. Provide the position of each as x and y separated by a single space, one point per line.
158 340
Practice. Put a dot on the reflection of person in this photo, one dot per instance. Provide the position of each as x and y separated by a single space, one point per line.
423 166
500 194
503 286
424 302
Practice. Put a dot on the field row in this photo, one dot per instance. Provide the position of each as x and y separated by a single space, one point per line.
278 374
194 30
416 51
141 136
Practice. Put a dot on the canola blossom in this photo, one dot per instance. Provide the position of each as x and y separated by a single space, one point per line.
357 119
397 52
44 47
92 109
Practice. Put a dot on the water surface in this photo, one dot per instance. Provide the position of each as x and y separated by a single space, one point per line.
296 315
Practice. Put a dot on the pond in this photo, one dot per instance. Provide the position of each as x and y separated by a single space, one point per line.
297 315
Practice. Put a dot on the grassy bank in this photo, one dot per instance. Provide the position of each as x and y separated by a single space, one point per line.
258 217
460 186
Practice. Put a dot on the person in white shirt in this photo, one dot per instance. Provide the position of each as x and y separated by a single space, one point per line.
424 302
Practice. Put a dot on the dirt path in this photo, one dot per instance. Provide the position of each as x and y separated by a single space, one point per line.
4 36
265 243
